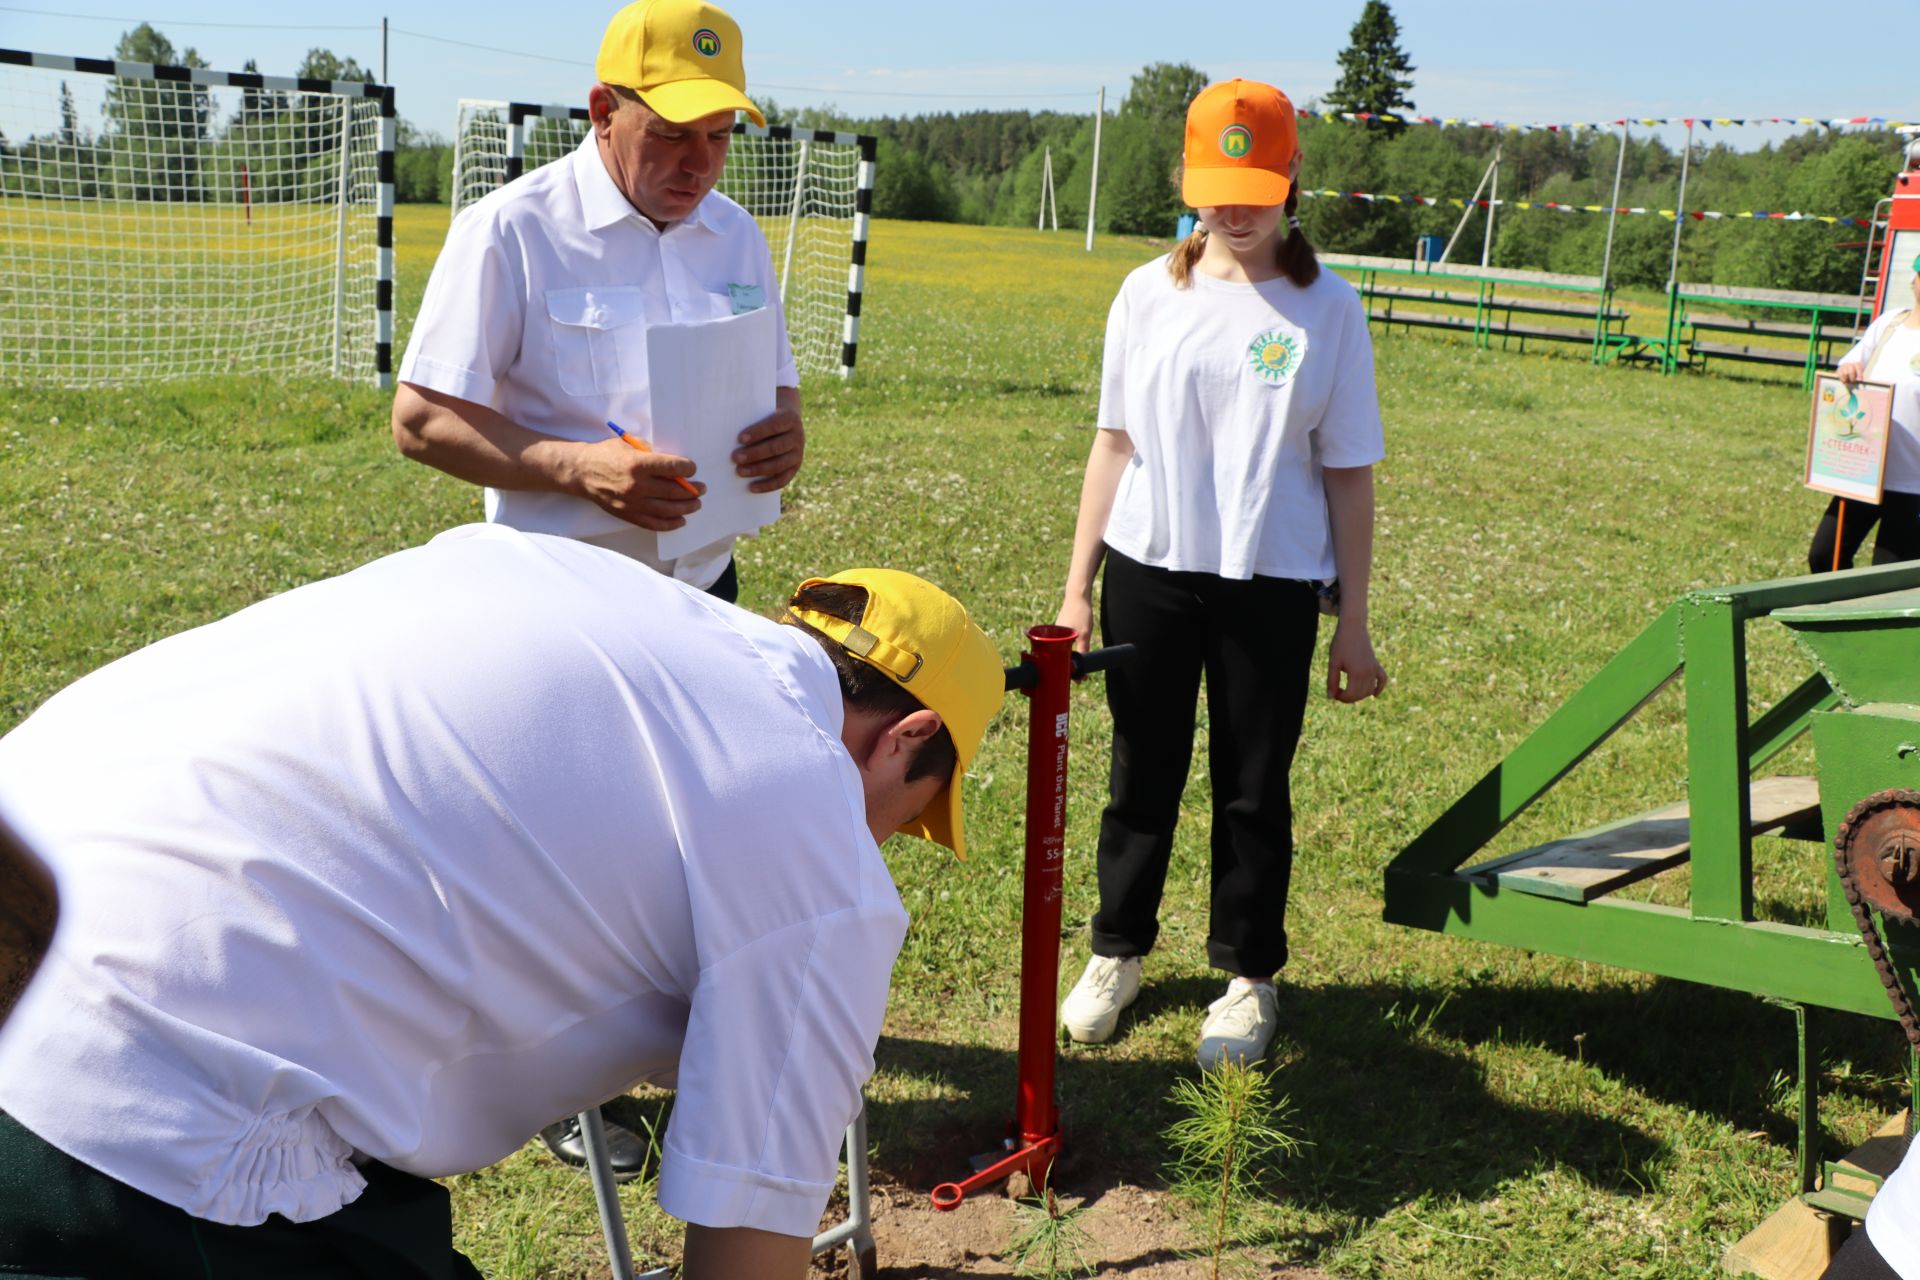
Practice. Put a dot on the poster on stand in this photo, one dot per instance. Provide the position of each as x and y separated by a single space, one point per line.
1847 439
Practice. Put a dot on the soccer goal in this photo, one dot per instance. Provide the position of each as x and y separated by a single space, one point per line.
168 222
810 190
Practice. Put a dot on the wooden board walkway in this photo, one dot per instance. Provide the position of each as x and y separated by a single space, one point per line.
1586 866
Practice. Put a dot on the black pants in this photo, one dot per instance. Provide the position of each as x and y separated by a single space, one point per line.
61 1218
1899 518
1253 641
1859 1260
727 585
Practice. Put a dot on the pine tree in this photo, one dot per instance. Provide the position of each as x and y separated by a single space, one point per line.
1374 71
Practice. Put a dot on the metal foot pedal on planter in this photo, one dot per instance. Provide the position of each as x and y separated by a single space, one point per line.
1033 1137
856 1233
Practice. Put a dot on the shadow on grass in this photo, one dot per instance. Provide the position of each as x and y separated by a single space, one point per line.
1383 1079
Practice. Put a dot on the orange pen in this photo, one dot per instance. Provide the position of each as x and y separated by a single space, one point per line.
644 447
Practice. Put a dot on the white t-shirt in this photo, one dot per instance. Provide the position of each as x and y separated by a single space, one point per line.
410 862
538 307
1235 396
1893 1219
1897 362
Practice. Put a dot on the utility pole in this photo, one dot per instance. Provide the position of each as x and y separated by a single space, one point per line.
1493 202
383 52
1093 186
1613 209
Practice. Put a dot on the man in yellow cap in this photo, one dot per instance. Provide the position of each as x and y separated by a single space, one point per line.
362 884
532 335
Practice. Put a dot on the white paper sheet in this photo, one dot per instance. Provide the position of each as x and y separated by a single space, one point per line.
708 381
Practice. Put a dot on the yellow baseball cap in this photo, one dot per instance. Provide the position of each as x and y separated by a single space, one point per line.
681 56
922 637
1241 136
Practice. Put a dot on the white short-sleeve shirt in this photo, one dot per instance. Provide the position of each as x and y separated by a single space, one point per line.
538 308
410 862
1235 396
1895 350
1893 1219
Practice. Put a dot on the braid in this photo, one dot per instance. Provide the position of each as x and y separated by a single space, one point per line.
1296 258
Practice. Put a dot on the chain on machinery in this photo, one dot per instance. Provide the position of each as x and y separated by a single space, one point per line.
1876 853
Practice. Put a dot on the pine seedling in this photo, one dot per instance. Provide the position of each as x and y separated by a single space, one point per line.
1223 1149
1049 1241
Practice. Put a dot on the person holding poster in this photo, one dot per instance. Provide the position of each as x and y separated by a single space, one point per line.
1229 489
1888 352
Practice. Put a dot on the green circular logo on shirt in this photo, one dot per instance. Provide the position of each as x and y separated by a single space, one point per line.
706 42
1275 356
1235 141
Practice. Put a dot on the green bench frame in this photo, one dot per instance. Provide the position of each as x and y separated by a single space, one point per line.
1483 310
1832 320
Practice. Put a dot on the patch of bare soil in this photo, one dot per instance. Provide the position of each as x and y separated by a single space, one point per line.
1132 1232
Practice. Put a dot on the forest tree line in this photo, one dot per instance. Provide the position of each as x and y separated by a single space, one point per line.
986 167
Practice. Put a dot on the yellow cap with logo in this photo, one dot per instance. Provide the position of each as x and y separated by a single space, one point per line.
924 639
681 56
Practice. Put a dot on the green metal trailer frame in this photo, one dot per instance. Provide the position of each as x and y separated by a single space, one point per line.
1701 641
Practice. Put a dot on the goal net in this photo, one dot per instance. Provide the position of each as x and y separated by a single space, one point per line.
810 190
168 222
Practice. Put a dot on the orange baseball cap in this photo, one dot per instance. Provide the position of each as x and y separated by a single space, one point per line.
1241 136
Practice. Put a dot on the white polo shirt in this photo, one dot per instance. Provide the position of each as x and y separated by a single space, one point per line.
1895 350
1235 396
1893 1219
538 307
410 862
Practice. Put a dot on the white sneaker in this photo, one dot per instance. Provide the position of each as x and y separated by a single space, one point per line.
1239 1025
1092 1009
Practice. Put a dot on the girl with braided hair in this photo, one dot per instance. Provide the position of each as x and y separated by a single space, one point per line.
1228 493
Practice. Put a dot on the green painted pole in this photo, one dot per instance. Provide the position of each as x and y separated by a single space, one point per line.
1718 802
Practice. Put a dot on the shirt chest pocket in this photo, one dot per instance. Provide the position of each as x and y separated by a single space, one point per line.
599 339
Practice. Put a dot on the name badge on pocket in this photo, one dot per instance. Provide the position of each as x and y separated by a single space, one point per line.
746 297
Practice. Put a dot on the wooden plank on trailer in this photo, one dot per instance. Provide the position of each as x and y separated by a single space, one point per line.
1586 866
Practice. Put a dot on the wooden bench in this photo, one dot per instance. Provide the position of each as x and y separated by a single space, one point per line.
1484 312
1594 863
1783 356
1829 326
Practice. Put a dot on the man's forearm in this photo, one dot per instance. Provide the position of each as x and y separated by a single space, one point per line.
478 444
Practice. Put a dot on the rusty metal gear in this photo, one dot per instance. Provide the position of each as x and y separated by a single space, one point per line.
1876 852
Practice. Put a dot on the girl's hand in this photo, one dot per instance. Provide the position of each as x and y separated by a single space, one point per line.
1078 614
1850 373
1352 656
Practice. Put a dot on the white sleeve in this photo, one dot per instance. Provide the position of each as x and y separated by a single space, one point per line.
779 1042
1113 367
1865 344
468 331
1349 433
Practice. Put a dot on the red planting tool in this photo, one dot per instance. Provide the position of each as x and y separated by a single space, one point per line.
1033 1137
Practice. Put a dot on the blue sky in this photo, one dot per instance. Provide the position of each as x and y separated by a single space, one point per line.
1501 59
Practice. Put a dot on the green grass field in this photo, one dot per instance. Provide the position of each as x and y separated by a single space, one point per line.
1473 1111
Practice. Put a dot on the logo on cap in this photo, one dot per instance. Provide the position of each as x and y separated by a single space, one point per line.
706 42
1235 141
1275 355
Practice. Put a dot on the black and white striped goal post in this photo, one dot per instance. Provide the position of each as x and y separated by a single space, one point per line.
166 222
